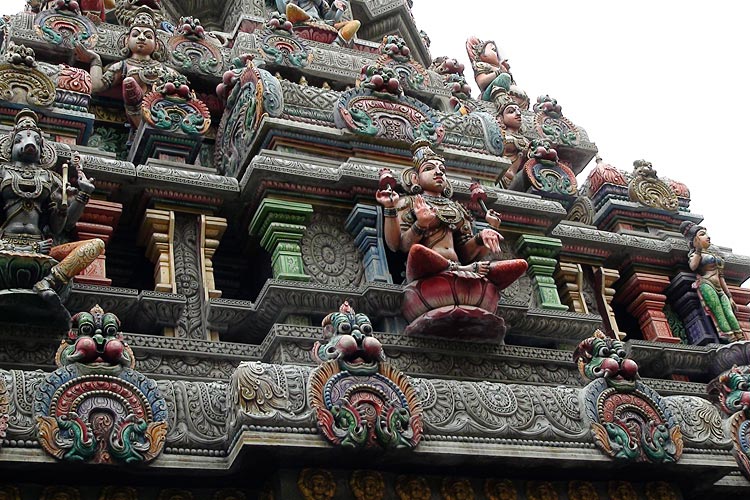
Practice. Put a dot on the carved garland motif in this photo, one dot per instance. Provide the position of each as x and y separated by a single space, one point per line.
25 85
66 28
395 118
731 390
551 177
629 420
100 417
381 409
173 113
95 406
280 46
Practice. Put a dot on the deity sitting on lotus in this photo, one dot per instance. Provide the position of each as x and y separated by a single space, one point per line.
438 235
323 14
37 212
712 288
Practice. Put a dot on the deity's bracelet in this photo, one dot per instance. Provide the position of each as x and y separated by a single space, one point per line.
390 212
419 231
453 265
82 197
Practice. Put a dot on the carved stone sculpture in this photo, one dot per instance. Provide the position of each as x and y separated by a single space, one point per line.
629 420
492 74
37 213
447 259
321 15
95 406
515 144
140 69
360 399
646 188
713 290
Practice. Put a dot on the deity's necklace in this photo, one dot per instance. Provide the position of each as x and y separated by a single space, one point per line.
445 210
23 180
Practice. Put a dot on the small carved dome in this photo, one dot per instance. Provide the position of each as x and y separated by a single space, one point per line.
605 173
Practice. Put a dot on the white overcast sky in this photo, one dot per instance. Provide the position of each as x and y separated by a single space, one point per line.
662 80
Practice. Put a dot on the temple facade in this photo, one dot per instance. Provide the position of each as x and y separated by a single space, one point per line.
276 249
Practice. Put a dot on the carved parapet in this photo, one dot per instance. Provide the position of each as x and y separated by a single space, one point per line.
156 234
99 220
387 116
366 225
687 304
280 226
541 253
643 297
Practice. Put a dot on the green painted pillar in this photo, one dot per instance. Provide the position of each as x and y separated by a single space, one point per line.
280 225
541 253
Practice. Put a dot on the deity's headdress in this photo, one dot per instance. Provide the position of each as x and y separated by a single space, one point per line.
144 18
422 152
26 119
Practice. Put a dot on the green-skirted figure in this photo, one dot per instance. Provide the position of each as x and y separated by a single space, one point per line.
712 288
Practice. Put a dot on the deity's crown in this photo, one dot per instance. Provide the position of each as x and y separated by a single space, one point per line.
144 18
26 119
422 152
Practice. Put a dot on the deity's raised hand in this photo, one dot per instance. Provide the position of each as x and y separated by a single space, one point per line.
426 214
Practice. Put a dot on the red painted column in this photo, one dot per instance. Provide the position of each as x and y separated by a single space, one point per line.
99 220
741 297
643 297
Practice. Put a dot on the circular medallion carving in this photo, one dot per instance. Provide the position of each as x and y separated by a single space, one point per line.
329 253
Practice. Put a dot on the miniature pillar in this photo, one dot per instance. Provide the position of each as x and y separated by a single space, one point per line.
642 296
211 231
570 278
540 252
280 225
156 235
686 303
603 280
366 225
99 220
741 297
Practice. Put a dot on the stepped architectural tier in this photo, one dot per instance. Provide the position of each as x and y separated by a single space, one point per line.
275 249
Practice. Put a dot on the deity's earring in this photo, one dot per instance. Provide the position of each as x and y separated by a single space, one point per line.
415 189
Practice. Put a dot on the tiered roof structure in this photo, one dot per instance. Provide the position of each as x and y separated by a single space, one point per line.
275 249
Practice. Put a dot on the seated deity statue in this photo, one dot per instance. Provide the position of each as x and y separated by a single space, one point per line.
712 288
438 235
492 73
436 231
138 72
37 212
320 11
